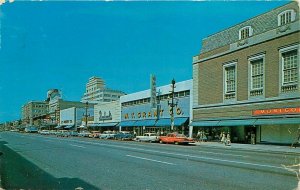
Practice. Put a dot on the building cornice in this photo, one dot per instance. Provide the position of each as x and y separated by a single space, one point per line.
254 40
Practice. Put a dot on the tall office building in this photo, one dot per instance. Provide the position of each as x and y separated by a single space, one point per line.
96 92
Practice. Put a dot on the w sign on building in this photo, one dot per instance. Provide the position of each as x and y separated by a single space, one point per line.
153 91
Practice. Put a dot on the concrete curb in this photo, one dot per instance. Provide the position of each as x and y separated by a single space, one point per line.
258 149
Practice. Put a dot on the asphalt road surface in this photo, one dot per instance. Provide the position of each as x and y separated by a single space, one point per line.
33 161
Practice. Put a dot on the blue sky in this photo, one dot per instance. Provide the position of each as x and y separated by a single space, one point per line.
47 45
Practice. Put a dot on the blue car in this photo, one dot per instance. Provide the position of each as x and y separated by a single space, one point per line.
124 135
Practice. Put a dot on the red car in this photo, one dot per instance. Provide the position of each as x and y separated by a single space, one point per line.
175 138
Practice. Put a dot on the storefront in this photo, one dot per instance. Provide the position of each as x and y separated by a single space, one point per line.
140 116
107 116
280 125
73 118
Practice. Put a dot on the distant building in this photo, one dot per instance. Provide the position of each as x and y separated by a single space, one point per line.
56 106
246 79
107 115
32 110
72 118
97 92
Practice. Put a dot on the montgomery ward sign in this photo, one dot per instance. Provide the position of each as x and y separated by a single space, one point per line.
277 111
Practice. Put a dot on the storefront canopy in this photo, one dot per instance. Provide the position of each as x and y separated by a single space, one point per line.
108 124
164 122
59 126
246 122
69 126
277 121
237 122
127 123
218 123
205 123
146 123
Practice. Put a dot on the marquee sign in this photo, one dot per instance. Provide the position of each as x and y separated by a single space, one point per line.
276 111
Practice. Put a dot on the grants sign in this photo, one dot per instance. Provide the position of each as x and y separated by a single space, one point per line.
276 111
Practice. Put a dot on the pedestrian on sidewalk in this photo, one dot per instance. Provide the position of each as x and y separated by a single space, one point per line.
297 140
228 141
198 135
252 138
223 137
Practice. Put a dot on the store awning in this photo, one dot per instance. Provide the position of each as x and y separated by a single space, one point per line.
69 126
277 121
178 121
146 123
165 122
226 123
127 123
205 123
59 126
108 124
237 122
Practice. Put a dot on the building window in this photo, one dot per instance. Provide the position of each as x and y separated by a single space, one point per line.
286 17
256 75
229 81
289 68
245 32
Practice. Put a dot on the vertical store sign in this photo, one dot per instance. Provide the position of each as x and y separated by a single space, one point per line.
153 91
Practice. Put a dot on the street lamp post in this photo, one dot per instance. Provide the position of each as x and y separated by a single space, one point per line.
172 104
86 115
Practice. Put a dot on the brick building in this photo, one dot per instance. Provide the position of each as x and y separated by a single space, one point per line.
246 79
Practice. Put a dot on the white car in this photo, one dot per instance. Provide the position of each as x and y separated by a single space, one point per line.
107 135
45 132
148 137
84 134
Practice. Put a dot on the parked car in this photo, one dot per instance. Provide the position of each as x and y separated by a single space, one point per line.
31 129
107 135
74 133
148 137
53 132
63 133
175 138
94 134
84 134
45 132
124 135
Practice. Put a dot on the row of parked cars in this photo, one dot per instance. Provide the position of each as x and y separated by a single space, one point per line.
171 138
124 135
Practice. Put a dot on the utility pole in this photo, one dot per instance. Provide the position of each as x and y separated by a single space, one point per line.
86 115
172 104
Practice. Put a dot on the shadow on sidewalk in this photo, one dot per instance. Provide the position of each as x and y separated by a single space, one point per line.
18 173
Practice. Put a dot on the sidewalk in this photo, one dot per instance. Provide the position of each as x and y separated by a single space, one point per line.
256 147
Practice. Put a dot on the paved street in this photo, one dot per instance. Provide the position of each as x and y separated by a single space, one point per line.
32 161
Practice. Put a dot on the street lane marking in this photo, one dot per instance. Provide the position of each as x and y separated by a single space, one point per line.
224 154
175 154
150 160
77 146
